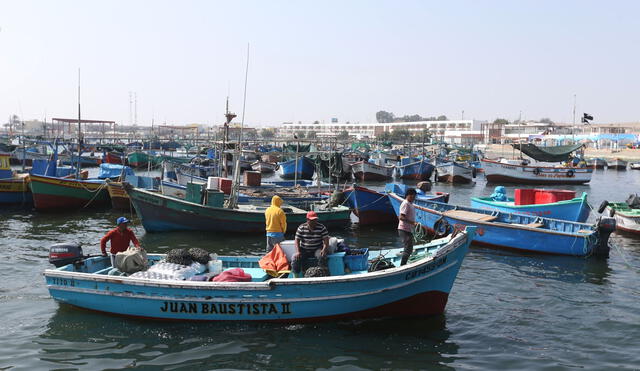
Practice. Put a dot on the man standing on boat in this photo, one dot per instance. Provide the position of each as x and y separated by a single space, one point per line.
310 237
120 238
406 222
276 221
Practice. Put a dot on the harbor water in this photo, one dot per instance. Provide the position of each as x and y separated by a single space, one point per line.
507 310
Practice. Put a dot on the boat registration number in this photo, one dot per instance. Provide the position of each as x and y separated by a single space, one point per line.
63 281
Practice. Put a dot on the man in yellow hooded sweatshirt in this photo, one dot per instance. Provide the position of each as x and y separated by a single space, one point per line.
276 221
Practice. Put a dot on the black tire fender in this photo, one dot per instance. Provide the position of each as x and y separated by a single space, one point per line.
441 227
570 173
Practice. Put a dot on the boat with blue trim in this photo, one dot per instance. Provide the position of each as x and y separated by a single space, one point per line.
373 207
514 231
418 289
298 168
414 169
549 203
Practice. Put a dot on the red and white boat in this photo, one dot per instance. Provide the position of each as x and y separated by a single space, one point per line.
363 170
455 172
505 171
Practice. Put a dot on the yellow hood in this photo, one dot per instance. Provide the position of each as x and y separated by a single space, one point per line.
276 201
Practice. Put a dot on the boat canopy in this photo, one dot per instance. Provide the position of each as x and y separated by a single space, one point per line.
547 154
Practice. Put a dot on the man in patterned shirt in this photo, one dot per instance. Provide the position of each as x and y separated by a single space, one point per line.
310 237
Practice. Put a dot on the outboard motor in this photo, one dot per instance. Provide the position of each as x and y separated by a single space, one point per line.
606 226
65 253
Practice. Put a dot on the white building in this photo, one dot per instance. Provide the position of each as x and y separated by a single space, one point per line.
452 131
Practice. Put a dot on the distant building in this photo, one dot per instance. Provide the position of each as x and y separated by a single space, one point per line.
452 131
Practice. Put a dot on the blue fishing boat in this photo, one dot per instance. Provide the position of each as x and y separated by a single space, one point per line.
575 209
372 207
418 289
302 166
414 169
515 231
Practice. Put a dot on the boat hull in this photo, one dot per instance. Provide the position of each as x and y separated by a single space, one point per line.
302 168
14 191
454 173
119 198
417 289
561 238
575 210
160 213
420 170
57 194
497 172
372 207
625 222
366 171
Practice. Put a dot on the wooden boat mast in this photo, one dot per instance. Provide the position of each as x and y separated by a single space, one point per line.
233 197
79 129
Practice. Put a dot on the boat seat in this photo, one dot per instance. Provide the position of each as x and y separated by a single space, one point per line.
535 225
469 215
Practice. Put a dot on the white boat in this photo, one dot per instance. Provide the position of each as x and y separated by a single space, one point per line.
264 167
617 164
363 170
501 172
455 172
634 165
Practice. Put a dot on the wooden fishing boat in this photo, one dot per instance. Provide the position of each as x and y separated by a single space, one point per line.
120 199
455 172
549 203
626 214
365 171
160 213
264 167
617 164
503 172
418 289
372 207
14 188
515 231
415 170
138 159
302 166
596 163
59 194
114 158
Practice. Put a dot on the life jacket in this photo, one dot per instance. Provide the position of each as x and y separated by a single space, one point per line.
275 263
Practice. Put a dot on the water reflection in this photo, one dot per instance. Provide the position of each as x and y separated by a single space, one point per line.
561 268
79 338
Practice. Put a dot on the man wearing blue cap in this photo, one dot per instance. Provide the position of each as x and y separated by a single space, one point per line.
120 238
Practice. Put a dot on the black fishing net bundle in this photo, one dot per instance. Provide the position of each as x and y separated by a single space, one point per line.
199 255
179 256
316 272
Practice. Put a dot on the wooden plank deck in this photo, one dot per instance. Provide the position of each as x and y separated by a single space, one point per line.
469 215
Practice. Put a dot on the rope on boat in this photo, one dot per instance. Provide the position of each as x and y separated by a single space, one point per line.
102 186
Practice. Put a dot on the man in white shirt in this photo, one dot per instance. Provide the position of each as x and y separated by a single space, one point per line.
406 222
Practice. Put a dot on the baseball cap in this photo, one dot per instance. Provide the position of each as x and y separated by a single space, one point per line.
311 215
121 220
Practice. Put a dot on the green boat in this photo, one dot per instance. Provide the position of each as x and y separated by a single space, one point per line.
138 159
627 217
160 213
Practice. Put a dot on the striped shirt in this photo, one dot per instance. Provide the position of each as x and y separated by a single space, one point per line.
311 239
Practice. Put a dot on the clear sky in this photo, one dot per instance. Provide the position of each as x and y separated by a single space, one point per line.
313 60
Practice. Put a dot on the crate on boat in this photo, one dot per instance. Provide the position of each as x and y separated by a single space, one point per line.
358 261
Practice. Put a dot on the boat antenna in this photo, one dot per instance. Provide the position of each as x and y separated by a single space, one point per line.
233 197
79 129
